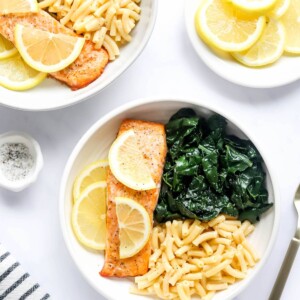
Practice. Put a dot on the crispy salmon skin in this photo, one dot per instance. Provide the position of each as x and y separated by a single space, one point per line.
151 138
84 70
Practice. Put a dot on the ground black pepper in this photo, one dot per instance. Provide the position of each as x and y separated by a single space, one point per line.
16 161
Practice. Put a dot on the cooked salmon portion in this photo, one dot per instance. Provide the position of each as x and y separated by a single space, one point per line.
85 69
89 65
151 138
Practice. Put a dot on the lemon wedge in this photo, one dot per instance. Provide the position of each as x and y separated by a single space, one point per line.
127 163
267 49
134 226
254 6
291 22
279 9
18 6
7 49
45 51
223 26
16 75
94 172
89 216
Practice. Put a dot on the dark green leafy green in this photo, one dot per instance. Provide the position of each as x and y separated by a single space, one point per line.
208 172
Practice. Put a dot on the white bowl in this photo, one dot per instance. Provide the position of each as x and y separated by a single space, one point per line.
53 95
284 71
35 151
95 144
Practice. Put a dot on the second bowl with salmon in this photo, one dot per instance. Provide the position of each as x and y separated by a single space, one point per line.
54 54
169 199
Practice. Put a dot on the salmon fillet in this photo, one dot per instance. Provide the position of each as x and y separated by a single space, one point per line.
151 138
85 69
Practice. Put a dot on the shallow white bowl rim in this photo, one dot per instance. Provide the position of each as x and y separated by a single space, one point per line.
144 101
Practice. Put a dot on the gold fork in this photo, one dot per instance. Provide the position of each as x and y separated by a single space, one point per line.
289 257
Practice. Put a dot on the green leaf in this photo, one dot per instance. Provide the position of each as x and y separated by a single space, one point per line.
186 166
210 169
208 172
253 214
244 146
216 122
183 113
236 161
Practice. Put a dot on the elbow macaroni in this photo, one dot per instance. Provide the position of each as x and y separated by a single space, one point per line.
193 258
107 23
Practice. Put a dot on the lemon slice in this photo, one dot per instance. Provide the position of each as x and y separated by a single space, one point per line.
7 49
16 75
18 6
254 6
45 51
291 22
221 25
95 172
127 163
279 9
267 49
134 226
89 216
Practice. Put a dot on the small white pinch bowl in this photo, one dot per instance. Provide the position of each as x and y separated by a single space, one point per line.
95 145
35 151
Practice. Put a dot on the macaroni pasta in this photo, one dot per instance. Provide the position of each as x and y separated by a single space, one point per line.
107 23
193 258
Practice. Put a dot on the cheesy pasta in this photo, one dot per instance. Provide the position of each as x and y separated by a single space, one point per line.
193 258
107 23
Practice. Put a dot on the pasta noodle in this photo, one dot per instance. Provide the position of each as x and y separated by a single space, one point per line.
207 248
107 23
193 258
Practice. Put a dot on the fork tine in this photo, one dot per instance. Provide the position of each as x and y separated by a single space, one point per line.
289 257
297 205
297 194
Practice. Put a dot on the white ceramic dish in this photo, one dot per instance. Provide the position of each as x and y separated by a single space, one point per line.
35 151
95 144
53 95
284 71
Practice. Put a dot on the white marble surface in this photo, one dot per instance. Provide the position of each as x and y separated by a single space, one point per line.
29 224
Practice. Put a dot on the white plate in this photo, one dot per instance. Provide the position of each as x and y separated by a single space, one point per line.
51 94
95 144
284 71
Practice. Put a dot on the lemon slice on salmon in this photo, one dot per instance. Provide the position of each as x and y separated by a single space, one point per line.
18 6
7 48
134 226
127 163
45 51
